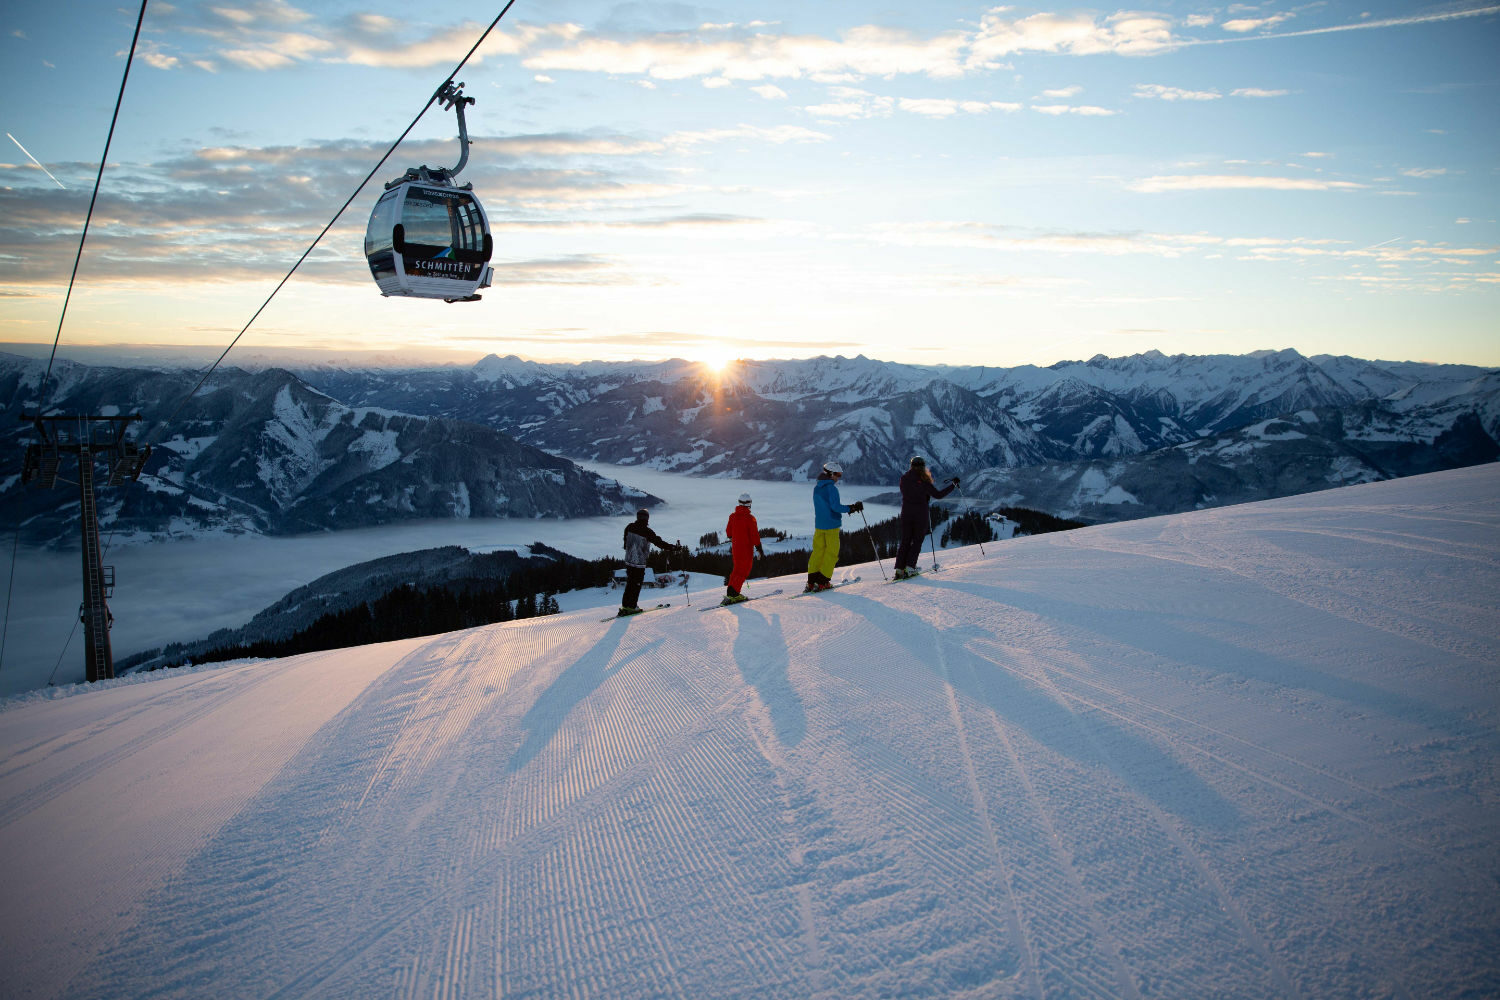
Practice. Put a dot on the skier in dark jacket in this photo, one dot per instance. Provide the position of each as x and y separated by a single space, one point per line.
917 491
638 541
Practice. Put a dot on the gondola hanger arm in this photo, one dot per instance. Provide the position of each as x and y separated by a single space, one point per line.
451 95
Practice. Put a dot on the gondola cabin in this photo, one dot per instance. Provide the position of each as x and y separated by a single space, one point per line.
429 240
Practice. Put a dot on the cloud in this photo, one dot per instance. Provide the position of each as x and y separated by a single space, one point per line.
574 269
1257 92
1063 93
778 135
1410 262
1247 24
1424 172
1158 92
257 59
929 107
865 51
945 108
1232 182
851 102
361 44
617 344
978 235
843 109
256 37
1087 110
564 144
770 92
273 12
1125 33
736 53
158 60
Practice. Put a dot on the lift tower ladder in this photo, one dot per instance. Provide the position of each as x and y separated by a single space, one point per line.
90 439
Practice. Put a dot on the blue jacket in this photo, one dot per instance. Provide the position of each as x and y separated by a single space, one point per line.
828 512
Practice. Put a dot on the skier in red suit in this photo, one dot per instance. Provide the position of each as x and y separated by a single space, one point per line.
744 538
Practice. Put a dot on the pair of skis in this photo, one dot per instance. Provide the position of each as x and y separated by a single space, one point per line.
617 616
836 586
732 604
914 576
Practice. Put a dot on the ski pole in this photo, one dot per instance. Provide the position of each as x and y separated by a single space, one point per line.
873 546
931 537
984 523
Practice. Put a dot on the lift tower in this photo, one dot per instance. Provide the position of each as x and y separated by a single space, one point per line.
91 439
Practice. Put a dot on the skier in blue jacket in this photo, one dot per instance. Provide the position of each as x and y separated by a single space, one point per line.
828 515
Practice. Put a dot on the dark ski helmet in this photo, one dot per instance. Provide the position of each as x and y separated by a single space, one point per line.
643 515
918 462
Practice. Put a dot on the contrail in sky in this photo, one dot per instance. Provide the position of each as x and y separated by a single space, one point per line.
33 159
1390 22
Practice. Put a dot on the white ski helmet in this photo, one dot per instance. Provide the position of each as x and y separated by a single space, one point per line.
745 498
833 467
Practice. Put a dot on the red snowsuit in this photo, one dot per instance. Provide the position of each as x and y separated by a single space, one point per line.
744 536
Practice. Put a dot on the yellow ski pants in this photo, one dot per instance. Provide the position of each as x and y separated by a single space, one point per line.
825 552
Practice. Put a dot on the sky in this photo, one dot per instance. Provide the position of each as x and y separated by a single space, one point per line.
936 183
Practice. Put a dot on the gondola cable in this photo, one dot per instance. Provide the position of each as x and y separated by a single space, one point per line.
98 179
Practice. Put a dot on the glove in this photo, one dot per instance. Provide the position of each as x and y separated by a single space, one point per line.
954 480
856 507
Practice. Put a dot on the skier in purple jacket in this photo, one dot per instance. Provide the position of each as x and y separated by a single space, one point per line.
917 491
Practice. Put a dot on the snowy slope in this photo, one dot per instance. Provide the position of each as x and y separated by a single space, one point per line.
1242 752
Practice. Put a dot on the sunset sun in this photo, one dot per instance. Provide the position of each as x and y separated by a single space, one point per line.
716 357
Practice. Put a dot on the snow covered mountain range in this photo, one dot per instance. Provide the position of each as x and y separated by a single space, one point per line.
324 446
1101 439
263 451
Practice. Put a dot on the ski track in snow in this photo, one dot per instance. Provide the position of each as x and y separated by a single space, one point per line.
1247 752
